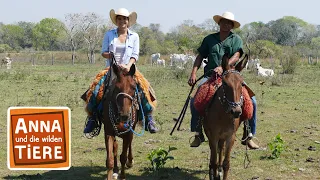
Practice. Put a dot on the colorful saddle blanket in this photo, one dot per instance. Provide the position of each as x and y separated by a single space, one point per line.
95 92
207 90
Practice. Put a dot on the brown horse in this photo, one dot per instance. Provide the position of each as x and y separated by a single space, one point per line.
222 118
120 118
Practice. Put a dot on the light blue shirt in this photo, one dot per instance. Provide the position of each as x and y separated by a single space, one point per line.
131 48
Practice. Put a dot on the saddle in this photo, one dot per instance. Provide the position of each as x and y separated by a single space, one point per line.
207 90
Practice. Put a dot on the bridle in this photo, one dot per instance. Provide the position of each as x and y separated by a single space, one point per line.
224 100
114 117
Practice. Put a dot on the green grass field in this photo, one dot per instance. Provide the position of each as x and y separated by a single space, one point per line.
287 104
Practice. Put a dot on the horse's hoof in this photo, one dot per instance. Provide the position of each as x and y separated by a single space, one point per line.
129 164
115 176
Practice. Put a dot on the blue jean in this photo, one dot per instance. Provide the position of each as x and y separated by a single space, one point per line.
198 128
253 120
195 123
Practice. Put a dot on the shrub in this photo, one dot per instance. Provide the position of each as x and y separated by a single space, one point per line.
158 157
289 61
277 146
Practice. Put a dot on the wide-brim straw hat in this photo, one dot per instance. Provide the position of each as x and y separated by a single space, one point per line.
123 12
228 16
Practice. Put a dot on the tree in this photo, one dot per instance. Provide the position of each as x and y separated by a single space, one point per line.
187 36
148 44
73 30
209 25
12 35
286 31
27 35
46 33
92 33
264 49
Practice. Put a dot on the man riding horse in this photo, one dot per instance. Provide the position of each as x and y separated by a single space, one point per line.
213 47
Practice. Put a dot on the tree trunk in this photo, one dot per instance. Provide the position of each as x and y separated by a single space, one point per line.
73 56
92 56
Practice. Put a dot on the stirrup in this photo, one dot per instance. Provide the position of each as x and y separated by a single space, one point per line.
95 128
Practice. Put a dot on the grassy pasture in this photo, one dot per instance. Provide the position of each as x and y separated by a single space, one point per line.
287 104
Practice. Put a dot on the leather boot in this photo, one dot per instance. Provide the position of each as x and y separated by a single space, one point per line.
151 125
198 139
252 145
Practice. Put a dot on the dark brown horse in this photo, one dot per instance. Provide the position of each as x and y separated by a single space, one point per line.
222 118
120 118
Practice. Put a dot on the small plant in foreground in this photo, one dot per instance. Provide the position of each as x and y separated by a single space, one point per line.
277 146
159 157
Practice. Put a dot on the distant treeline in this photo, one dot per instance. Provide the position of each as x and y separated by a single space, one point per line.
84 33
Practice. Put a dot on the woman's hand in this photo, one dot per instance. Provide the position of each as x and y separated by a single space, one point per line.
125 67
107 55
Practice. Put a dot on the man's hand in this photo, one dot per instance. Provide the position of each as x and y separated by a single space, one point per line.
192 79
218 70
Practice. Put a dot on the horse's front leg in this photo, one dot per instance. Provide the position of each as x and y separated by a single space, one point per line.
115 156
213 160
130 156
124 155
226 162
109 140
221 150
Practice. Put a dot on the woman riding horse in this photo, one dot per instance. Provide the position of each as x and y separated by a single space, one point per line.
123 44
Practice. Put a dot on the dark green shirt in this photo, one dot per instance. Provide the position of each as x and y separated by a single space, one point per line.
213 49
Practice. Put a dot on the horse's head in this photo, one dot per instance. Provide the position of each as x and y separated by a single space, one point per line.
124 91
232 84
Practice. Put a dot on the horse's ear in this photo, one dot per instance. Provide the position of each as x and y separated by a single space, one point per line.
242 63
225 62
115 69
132 69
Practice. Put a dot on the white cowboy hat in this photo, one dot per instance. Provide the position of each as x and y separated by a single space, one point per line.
123 12
228 16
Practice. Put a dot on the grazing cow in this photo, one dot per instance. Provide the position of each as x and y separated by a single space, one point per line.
181 59
264 72
251 65
7 61
161 62
154 58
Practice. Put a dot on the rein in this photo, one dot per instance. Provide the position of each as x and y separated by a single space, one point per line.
132 117
224 100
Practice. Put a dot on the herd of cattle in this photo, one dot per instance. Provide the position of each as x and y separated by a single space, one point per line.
180 60
176 60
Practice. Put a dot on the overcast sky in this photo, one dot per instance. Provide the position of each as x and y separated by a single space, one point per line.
168 13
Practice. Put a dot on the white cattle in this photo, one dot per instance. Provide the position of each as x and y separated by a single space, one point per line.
252 64
204 62
7 61
264 72
161 62
180 59
154 58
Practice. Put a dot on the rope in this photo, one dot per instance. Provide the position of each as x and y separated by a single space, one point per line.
143 118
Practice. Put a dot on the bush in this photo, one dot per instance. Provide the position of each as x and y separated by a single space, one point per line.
5 48
276 146
289 60
159 157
